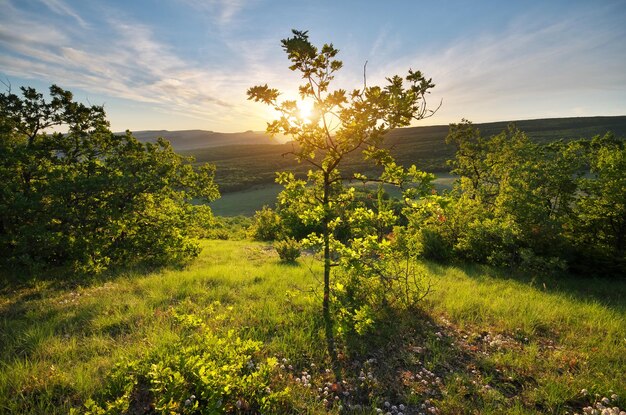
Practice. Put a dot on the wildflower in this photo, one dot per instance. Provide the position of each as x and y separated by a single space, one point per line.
401 406
187 402
584 392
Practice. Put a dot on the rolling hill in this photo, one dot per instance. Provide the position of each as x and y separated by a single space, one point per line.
252 158
196 139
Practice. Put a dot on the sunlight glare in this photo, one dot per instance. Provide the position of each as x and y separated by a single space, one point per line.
305 108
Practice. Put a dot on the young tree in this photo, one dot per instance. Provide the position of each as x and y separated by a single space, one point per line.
89 197
340 123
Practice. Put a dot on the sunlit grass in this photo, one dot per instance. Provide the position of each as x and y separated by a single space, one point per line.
557 337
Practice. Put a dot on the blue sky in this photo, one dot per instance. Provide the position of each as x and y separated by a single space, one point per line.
186 64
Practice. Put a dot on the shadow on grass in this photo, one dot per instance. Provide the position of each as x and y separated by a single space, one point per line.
607 291
411 359
38 305
65 278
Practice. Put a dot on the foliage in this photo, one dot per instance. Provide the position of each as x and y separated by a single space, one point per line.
521 203
341 123
288 249
202 373
88 197
231 227
266 225
598 228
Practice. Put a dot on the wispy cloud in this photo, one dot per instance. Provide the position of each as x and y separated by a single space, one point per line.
532 68
131 65
222 11
525 69
59 7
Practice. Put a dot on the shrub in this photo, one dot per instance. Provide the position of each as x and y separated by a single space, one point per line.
490 241
434 245
202 373
288 249
90 198
266 225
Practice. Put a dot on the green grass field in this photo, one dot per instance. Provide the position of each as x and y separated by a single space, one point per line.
246 202
483 342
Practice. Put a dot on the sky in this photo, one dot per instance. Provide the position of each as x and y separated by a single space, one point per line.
187 64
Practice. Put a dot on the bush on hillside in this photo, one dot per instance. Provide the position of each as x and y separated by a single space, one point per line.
288 249
90 198
266 225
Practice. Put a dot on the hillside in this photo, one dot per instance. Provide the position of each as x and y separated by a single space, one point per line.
240 166
484 341
195 139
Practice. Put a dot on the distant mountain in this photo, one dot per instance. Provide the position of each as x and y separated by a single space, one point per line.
195 139
542 130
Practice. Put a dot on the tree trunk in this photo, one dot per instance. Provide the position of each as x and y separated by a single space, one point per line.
328 322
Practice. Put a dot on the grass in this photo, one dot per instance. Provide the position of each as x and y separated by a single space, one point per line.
247 202
482 342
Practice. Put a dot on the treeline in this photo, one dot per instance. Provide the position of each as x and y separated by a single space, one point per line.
87 197
90 198
544 208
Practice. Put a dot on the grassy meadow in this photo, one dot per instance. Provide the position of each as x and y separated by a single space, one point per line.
482 341
246 202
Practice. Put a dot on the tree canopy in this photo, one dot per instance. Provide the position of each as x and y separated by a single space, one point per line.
89 197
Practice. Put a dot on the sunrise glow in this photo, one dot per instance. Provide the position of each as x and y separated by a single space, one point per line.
305 107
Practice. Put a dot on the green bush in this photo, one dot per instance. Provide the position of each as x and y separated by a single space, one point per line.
490 241
266 225
434 245
91 198
288 249
229 228
202 373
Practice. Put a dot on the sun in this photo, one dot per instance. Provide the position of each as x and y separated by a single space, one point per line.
305 107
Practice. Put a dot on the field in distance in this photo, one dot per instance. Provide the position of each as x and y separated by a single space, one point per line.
247 162
246 202
245 165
